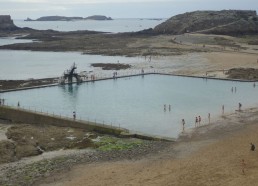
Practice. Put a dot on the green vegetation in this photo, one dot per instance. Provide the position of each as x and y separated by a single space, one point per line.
108 143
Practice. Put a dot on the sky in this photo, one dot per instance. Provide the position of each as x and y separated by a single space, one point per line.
21 9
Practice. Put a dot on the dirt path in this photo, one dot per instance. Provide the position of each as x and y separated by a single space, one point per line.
210 155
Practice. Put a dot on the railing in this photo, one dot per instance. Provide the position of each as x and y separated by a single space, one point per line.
78 118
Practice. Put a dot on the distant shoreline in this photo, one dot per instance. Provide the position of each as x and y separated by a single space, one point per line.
64 18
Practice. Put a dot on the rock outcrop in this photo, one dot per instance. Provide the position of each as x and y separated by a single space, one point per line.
99 17
63 18
55 18
6 23
227 22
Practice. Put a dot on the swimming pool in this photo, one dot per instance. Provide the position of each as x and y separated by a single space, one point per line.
137 103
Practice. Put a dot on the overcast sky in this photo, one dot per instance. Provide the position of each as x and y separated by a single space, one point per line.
21 9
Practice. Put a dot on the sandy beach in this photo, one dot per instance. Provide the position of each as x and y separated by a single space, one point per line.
209 155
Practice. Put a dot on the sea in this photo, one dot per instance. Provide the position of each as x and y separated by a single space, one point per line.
29 64
113 26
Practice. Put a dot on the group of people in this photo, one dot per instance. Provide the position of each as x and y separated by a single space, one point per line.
165 107
114 74
232 89
149 58
198 121
92 77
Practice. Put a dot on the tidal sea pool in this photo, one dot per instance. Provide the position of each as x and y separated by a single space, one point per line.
137 103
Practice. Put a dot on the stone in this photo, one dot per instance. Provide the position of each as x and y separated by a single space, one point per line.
6 23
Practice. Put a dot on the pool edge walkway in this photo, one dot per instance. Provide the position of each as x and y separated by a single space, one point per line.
124 76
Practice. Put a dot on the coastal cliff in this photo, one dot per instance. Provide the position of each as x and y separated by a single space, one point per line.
6 23
225 22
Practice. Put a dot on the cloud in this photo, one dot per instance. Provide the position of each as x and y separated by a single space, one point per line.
116 8
88 1
24 1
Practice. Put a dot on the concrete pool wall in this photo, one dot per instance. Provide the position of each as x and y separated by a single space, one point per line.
32 117
24 116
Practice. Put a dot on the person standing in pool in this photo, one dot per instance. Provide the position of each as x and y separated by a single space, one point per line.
183 123
199 120
74 115
196 121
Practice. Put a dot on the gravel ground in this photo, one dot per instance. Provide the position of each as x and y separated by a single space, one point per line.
24 174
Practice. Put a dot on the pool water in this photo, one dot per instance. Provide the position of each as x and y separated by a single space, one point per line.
137 103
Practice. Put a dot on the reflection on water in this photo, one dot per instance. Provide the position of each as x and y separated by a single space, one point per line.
70 94
137 103
70 89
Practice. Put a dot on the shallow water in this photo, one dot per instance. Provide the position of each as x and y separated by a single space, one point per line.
137 103
13 40
17 65
27 64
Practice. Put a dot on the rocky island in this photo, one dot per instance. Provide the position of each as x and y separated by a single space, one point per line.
6 23
64 18
98 17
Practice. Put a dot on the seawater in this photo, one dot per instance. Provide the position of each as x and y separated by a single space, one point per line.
27 64
114 26
13 40
137 103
